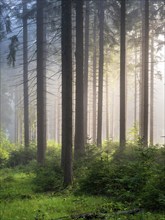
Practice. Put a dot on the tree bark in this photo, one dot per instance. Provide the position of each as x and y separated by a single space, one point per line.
25 75
67 91
145 39
41 84
107 107
101 70
122 77
86 71
94 79
152 93
135 96
79 117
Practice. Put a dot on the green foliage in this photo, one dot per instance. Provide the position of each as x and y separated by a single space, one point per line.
5 148
48 177
4 155
21 156
53 152
134 176
130 179
19 201
133 135
15 184
153 194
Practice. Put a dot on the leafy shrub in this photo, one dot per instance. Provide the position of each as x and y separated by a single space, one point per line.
53 153
5 148
4 155
48 177
153 193
120 180
134 176
21 157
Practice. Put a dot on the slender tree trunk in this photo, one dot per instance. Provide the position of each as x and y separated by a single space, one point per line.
0 79
67 91
122 77
145 39
16 116
135 95
58 122
55 121
79 117
141 89
41 84
86 71
152 93
0 91
94 79
25 75
112 116
107 107
101 69
164 90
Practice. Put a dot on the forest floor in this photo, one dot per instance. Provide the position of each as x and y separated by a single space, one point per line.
18 201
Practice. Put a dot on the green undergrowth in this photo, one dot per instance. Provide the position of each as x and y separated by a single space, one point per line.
107 182
135 176
18 200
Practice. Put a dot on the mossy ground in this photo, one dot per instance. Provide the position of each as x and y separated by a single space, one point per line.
18 201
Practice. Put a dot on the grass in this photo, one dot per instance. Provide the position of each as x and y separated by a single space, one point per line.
19 202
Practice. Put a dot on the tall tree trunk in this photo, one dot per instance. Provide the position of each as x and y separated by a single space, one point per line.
58 122
135 95
164 90
55 121
101 69
107 107
67 91
16 116
152 93
122 77
94 78
25 75
86 71
145 40
41 84
79 117
141 89
112 116
0 79
0 91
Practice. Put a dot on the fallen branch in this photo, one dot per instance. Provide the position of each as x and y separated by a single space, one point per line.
129 212
88 216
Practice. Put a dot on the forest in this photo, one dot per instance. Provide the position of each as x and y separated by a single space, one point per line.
82 109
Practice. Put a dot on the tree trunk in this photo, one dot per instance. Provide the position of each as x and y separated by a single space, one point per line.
25 75
94 79
141 89
86 71
145 40
58 122
79 117
0 91
67 91
122 78
135 96
164 91
112 116
107 107
101 69
41 84
152 93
